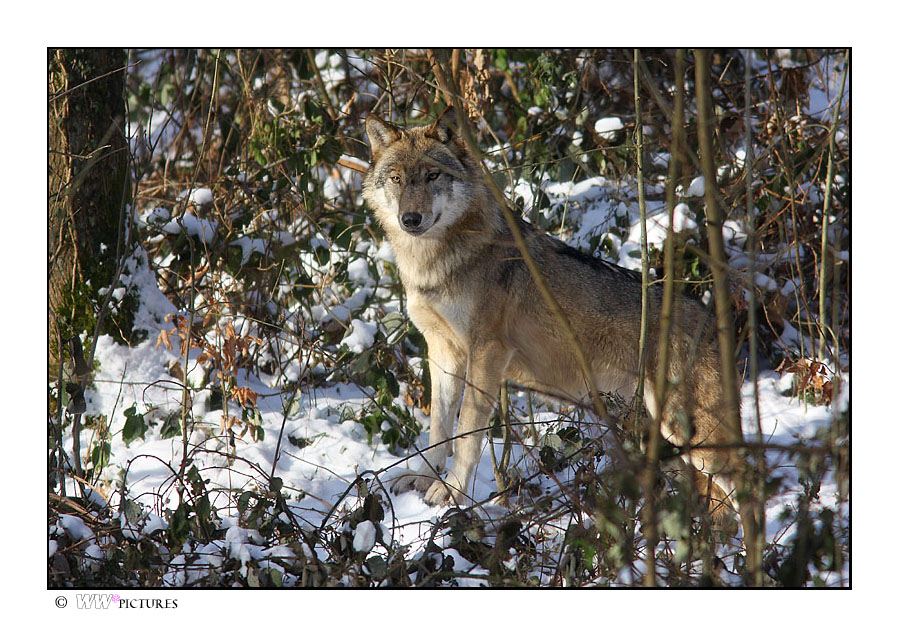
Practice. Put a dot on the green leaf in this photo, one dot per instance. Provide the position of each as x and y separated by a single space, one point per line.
391 384
302 442
203 508
252 415
75 403
171 426
341 236
132 510
243 502
100 454
179 524
276 577
291 407
500 59
135 426
194 478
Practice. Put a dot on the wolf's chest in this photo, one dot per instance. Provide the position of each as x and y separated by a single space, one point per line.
448 315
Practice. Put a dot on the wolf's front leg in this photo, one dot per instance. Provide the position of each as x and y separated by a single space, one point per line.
484 374
447 365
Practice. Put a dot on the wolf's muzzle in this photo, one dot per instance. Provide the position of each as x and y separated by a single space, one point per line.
411 223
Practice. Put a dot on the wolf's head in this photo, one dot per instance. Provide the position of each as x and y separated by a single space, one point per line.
421 179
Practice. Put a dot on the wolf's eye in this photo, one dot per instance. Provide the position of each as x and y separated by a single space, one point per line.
433 175
395 179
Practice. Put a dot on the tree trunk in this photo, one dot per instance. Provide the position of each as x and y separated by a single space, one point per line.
731 417
87 184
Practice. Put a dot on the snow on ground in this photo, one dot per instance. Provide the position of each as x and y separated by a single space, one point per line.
323 449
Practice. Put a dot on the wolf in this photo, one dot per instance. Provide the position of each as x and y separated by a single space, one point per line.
471 295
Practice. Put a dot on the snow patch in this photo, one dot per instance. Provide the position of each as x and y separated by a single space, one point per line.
361 337
607 127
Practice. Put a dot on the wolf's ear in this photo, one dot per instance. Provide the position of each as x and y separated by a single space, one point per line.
443 129
381 134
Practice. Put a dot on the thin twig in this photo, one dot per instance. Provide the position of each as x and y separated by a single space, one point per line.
649 475
826 211
752 319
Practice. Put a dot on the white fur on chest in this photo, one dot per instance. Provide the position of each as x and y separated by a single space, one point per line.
439 312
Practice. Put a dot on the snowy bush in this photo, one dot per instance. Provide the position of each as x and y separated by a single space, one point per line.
246 430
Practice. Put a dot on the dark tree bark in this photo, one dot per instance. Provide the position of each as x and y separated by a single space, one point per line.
87 184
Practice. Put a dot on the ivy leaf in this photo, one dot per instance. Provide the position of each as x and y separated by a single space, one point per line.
76 403
135 426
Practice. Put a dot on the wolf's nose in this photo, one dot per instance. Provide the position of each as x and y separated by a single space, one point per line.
411 221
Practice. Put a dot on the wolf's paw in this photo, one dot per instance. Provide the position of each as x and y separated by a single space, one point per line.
418 481
444 493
